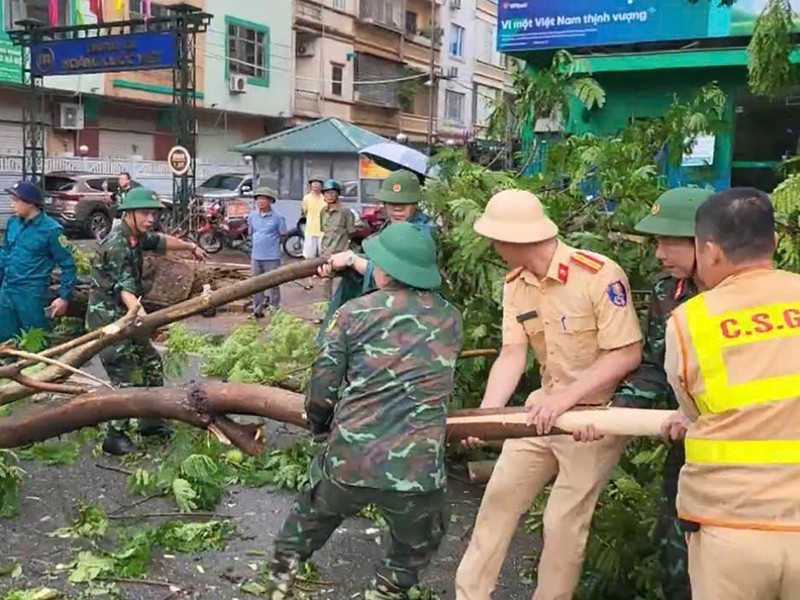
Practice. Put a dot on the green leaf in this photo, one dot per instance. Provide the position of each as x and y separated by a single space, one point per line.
184 495
89 567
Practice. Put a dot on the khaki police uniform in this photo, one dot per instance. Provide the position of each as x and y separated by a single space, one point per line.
580 311
733 358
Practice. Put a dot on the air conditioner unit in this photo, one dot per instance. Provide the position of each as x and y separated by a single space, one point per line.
357 96
456 4
69 116
237 84
305 50
451 73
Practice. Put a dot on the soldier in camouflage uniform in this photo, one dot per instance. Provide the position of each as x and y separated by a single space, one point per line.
672 223
400 194
116 288
377 394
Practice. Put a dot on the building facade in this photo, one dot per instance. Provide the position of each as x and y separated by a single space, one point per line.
245 70
410 67
647 55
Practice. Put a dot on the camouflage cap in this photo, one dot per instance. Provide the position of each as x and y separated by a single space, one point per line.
401 187
406 254
140 199
673 213
265 192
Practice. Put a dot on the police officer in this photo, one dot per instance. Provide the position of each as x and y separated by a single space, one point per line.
731 357
671 221
34 244
400 194
573 309
117 286
385 432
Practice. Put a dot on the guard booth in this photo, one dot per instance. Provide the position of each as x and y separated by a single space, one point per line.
324 149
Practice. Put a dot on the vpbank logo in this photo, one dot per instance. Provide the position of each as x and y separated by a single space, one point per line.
515 5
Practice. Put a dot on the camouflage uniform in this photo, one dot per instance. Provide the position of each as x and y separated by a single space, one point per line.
378 392
118 268
401 187
672 215
648 388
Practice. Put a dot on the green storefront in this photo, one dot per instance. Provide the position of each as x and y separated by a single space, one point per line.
646 52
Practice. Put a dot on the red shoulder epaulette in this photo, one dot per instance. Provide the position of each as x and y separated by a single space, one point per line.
512 275
587 261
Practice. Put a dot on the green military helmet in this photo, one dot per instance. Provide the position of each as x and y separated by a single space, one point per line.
406 254
140 199
673 213
401 187
265 192
332 184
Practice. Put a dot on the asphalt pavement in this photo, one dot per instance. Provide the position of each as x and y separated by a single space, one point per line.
50 494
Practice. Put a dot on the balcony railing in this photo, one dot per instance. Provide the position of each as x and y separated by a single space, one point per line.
308 12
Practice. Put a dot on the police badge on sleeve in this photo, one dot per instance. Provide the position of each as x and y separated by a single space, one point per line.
618 294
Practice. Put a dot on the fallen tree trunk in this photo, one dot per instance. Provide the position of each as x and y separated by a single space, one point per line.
208 405
132 326
173 278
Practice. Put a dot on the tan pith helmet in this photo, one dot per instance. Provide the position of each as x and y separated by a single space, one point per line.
517 217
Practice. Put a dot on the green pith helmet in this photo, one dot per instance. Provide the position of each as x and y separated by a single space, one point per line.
406 254
401 187
265 192
332 184
140 199
673 213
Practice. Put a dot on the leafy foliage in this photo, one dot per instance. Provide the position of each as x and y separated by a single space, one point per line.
787 217
250 354
769 67
544 94
196 469
134 552
64 452
10 477
91 522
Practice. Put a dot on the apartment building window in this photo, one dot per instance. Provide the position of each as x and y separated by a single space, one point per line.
17 10
248 50
340 5
411 22
457 40
486 100
137 8
385 12
454 106
337 79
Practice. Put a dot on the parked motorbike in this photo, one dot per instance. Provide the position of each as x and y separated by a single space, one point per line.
295 239
218 232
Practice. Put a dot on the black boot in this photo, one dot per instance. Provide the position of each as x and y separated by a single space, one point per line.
118 444
154 428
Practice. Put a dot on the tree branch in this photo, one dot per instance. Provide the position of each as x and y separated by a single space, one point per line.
132 326
208 405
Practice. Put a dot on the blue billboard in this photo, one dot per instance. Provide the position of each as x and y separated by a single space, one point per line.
106 54
525 25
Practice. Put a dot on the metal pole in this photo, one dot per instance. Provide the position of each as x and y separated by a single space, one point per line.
431 91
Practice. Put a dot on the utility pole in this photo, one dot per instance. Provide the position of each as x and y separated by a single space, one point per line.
432 80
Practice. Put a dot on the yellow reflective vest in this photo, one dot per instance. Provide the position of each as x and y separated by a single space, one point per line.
739 348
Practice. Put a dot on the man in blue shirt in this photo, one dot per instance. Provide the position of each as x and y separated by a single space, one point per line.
34 244
267 228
